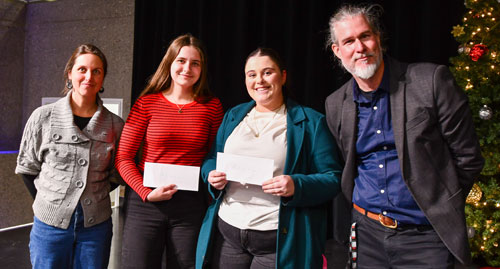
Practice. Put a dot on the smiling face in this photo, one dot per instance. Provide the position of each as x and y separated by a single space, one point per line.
264 81
87 76
358 47
186 67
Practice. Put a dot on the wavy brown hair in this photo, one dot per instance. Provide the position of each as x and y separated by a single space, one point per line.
80 50
161 80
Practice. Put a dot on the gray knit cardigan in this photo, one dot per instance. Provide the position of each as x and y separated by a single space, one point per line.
72 164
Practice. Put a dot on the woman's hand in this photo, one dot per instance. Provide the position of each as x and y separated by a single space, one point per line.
162 193
280 186
217 179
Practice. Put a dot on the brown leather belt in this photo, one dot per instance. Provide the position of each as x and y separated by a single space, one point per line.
385 221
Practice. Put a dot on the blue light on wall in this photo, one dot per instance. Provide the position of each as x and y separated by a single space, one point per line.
9 152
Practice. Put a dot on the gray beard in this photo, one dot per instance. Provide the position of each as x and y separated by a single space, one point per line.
364 73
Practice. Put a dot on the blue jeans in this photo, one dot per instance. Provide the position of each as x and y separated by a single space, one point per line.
75 247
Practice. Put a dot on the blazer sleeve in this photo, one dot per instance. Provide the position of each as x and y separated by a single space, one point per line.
319 179
209 163
456 126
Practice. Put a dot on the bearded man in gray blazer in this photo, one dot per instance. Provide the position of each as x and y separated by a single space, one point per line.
406 135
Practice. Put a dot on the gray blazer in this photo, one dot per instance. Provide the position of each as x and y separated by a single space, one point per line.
437 147
72 165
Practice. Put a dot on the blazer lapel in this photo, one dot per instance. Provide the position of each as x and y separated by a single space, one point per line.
398 108
348 125
295 135
348 135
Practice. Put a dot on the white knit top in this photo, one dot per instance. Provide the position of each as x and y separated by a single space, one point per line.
263 135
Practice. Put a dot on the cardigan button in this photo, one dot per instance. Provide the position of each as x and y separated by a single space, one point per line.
91 220
56 137
87 201
82 162
79 184
74 138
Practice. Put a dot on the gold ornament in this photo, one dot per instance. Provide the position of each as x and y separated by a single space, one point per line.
458 30
475 195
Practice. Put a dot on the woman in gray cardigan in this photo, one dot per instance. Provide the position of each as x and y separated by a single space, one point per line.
66 160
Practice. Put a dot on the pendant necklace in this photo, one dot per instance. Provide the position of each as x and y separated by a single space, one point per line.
257 131
180 108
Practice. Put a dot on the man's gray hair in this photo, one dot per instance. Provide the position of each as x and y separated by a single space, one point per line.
372 14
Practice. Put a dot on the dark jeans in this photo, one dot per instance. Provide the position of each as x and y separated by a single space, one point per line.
403 247
150 228
235 248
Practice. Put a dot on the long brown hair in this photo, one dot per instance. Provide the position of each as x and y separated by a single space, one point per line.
80 50
162 79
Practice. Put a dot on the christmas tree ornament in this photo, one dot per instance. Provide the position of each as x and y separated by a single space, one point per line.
463 49
457 31
477 52
485 113
471 232
475 195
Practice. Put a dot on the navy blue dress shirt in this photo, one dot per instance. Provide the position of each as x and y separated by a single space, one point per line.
379 186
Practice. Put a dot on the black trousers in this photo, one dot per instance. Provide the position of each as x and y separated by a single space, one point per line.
404 247
154 228
243 249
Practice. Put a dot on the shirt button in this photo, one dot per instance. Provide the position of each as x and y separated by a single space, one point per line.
74 138
91 220
384 213
378 131
87 201
79 184
382 191
385 148
375 108
56 137
381 166
82 162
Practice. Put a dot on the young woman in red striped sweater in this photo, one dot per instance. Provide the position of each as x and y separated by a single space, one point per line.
176 119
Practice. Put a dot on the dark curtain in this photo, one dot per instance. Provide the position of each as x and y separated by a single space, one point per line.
297 29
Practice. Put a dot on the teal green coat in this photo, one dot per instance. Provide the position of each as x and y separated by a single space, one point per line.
312 163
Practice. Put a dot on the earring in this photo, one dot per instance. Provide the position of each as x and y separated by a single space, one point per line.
101 90
69 85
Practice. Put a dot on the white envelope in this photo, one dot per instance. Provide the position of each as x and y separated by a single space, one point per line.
161 174
247 170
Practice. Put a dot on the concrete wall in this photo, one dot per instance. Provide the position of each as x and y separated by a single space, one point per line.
36 40
12 23
55 29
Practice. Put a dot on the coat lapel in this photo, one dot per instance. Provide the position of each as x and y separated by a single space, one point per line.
295 135
348 138
398 108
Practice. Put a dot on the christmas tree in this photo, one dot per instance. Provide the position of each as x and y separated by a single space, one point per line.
477 71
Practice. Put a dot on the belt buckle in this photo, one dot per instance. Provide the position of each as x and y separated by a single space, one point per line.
380 216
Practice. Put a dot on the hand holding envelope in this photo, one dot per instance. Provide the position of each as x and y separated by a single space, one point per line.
250 170
247 170
162 193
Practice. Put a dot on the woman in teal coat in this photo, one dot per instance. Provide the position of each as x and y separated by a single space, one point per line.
281 224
